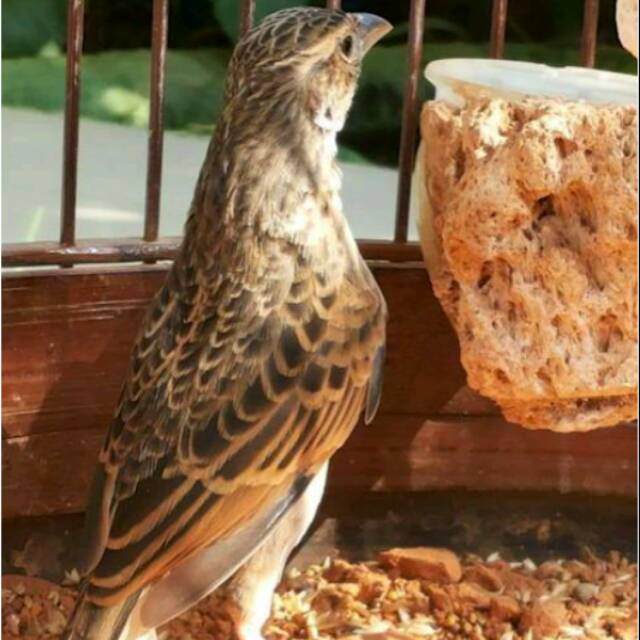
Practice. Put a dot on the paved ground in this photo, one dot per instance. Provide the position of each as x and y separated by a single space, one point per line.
112 177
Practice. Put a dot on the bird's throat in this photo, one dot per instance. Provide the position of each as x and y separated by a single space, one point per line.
328 124
285 186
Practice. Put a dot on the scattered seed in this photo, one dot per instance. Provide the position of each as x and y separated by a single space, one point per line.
326 602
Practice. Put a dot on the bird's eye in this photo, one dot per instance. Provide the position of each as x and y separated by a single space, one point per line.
346 47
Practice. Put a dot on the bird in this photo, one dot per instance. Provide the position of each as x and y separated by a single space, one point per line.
255 359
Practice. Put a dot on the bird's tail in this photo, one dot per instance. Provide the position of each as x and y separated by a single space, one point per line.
91 622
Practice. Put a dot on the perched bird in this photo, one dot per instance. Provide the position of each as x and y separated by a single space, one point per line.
256 357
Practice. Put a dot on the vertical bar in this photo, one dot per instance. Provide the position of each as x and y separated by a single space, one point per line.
156 119
75 29
334 5
590 32
247 15
409 118
498 28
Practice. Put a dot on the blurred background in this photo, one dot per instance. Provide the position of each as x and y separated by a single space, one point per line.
115 89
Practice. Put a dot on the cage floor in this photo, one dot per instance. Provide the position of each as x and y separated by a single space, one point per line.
553 549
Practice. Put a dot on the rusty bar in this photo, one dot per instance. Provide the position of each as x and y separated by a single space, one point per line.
247 15
589 32
409 119
156 119
334 4
75 29
101 251
93 251
498 28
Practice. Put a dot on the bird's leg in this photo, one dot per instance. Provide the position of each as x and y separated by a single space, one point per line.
251 589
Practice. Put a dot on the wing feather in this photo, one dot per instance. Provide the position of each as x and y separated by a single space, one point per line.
224 405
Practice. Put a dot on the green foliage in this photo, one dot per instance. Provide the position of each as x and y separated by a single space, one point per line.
29 26
115 84
32 27
434 28
115 87
227 12
565 20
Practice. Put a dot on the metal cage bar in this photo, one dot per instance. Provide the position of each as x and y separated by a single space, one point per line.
409 119
247 15
68 251
498 28
156 119
75 32
590 33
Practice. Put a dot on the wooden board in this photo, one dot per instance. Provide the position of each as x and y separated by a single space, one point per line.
397 453
49 473
66 338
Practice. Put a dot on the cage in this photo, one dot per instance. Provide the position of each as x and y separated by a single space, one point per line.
439 466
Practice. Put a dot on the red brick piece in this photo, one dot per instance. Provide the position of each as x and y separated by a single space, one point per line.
426 563
544 618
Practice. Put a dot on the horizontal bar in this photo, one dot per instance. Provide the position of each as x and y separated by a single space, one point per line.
95 251
590 33
409 119
156 119
100 251
498 28
75 32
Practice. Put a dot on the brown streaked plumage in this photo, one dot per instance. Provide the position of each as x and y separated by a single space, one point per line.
260 351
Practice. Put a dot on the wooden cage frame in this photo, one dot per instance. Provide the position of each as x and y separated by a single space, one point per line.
67 334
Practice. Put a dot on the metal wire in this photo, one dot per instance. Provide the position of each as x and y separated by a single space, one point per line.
156 119
590 32
498 28
409 119
75 31
247 15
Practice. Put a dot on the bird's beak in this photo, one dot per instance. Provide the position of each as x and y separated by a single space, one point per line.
372 28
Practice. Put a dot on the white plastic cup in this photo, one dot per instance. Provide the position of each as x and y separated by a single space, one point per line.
456 78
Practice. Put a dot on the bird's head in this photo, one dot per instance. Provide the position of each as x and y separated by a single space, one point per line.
302 65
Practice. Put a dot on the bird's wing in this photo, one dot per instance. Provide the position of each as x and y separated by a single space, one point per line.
223 408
